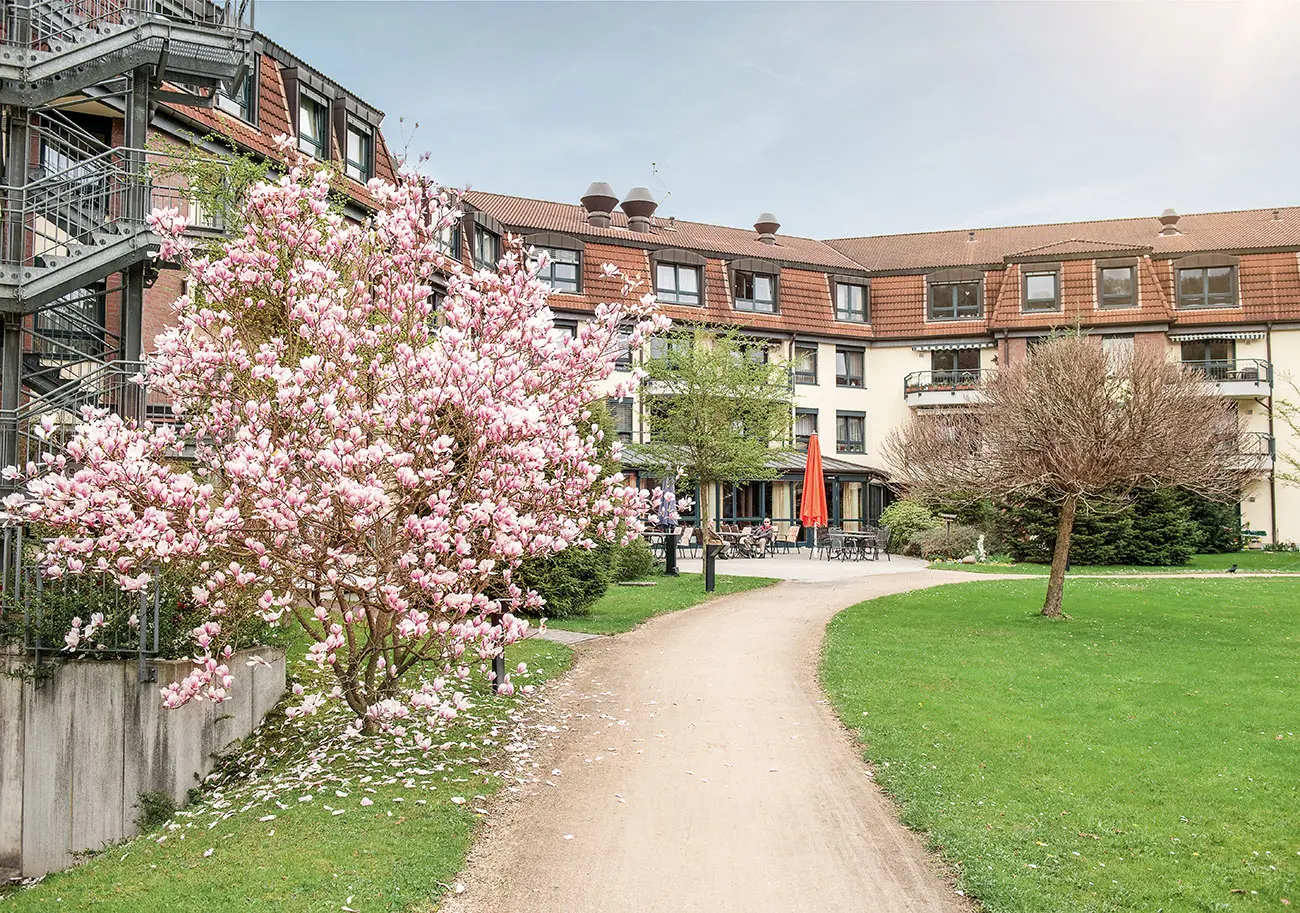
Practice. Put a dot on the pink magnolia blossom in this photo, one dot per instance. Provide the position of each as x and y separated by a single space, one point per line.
367 467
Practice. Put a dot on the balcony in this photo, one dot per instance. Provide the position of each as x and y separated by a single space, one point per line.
1258 450
1248 377
942 388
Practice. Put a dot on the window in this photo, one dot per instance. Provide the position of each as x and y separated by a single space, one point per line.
565 329
755 292
624 360
951 366
669 348
1216 357
621 411
1116 287
850 432
849 365
360 164
677 283
755 353
240 104
564 270
1042 291
851 302
1207 287
954 300
449 239
805 364
1117 346
313 125
487 248
805 425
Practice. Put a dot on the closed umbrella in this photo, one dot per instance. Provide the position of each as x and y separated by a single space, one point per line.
812 510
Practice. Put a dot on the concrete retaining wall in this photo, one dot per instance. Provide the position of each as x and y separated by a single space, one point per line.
78 749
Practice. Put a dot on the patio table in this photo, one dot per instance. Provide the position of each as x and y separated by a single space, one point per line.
861 542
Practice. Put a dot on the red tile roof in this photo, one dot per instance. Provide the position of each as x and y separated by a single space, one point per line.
1211 231
274 119
571 218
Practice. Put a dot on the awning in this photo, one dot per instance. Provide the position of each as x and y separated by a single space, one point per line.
1190 337
941 346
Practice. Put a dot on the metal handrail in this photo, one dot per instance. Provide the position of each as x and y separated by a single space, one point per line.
1250 370
38 24
945 380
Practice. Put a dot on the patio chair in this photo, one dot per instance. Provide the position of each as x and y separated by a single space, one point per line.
686 541
820 535
882 542
833 544
790 539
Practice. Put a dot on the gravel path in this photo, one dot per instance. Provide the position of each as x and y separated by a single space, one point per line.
703 770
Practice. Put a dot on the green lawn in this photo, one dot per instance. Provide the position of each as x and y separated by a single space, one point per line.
622 608
1144 756
1245 561
396 852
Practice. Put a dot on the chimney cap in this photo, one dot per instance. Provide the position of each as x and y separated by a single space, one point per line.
766 224
600 197
1169 217
639 202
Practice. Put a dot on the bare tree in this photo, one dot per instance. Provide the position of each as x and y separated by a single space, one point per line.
1076 425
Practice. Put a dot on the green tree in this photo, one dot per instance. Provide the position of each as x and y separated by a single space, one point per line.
717 405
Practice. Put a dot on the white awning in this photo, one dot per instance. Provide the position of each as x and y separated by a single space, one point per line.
1189 337
939 346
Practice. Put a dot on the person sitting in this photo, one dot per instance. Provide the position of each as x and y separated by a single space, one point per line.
766 535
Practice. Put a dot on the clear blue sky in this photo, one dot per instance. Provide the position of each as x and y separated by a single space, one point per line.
843 119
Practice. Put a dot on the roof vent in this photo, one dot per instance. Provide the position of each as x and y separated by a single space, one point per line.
1169 223
766 226
971 236
1277 215
639 206
599 201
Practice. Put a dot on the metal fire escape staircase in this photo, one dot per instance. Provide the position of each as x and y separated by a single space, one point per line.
74 209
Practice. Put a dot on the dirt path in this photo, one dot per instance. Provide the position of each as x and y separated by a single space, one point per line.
705 772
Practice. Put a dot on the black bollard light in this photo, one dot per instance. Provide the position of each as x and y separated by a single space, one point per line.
711 552
498 670
670 555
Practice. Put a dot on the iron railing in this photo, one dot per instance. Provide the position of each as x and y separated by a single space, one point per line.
950 380
43 608
1248 370
46 24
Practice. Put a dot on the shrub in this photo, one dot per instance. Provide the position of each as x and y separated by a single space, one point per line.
569 581
155 808
905 519
1153 528
1218 525
944 544
634 561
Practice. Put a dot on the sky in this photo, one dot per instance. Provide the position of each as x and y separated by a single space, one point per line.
843 119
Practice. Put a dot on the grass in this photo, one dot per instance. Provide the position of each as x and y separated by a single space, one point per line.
1246 561
398 852
1143 756
622 608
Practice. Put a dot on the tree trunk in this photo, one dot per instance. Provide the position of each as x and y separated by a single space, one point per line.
1060 557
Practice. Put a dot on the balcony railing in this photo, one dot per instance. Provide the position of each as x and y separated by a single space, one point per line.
1237 376
932 388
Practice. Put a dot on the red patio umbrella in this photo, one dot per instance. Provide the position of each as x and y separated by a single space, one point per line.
812 510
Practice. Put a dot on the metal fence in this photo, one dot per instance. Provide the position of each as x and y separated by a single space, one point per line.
43 608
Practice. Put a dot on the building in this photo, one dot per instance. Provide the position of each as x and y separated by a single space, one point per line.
876 327
873 327
103 100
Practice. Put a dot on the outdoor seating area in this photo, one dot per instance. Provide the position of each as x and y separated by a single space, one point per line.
866 544
756 541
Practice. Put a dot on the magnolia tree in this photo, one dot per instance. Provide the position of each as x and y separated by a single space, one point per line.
367 468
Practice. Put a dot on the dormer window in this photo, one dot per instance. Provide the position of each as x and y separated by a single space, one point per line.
1042 289
240 103
313 125
1206 281
754 285
851 301
563 271
487 248
360 164
679 276
955 294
